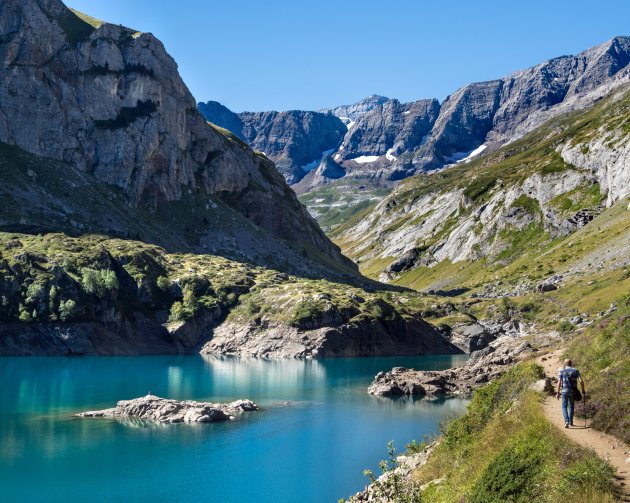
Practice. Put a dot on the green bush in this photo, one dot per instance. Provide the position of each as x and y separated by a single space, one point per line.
511 476
98 282
179 313
163 283
67 310
251 308
24 315
565 326
305 310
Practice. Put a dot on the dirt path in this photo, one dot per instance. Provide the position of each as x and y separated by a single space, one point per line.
606 446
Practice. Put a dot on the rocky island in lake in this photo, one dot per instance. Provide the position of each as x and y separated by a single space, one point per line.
163 410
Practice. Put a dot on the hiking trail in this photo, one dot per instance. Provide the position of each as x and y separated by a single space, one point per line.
605 446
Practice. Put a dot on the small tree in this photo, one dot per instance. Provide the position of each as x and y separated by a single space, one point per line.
98 282
178 312
24 315
52 303
67 310
163 283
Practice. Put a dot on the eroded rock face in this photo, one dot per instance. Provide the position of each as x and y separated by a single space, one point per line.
109 102
295 140
483 366
163 410
383 338
393 140
390 128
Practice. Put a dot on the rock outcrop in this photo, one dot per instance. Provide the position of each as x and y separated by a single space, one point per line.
338 339
483 366
550 183
296 141
350 113
386 132
163 410
106 103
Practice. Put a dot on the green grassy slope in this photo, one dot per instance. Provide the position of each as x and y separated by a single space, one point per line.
473 186
107 279
338 202
503 450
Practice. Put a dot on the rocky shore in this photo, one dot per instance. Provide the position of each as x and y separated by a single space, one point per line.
163 410
483 366
395 336
382 489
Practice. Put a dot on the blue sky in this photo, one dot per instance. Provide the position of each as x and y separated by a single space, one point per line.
279 55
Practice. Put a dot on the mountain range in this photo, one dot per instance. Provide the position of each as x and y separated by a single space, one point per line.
389 140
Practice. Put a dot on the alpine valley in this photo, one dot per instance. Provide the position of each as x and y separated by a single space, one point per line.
477 241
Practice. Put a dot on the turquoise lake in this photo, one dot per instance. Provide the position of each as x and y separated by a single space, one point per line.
312 450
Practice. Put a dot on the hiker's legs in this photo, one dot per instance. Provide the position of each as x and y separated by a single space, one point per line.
565 404
570 407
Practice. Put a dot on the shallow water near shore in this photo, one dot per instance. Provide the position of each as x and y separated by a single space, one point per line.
312 449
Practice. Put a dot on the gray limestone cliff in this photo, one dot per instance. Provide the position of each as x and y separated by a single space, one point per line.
387 139
295 140
106 103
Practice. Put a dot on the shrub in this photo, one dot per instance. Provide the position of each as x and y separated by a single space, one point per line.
305 310
52 302
252 308
511 475
67 310
163 283
98 282
178 312
565 326
24 315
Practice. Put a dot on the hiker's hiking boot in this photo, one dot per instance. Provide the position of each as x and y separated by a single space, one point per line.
566 425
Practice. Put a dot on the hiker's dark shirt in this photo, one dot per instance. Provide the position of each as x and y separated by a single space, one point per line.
567 375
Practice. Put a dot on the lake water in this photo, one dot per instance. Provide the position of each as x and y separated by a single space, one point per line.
312 450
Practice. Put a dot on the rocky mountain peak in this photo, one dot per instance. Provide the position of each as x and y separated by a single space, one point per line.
350 113
387 139
108 101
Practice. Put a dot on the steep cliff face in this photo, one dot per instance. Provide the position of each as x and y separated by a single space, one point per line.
494 113
388 130
350 113
296 140
547 185
389 140
108 101
482 117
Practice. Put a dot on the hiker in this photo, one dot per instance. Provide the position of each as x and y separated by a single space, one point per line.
567 389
